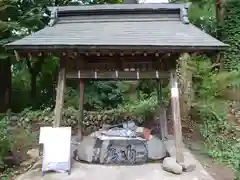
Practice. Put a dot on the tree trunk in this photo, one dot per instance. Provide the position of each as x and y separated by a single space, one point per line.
33 90
220 16
186 89
5 79
34 70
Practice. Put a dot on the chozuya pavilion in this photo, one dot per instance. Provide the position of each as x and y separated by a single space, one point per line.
118 42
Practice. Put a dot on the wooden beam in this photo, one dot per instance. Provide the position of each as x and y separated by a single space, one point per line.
59 97
176 118
81 109
117 75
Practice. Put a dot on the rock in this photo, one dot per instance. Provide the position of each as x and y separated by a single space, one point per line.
170 137
46 119
104 150
74 146
28 162
14 118
188 167
86 148
106 126
171 150
170 165
33 153
156 148
37 165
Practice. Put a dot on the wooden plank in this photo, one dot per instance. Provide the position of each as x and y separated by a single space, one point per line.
81 108
117 75
176 118
163 122
59 97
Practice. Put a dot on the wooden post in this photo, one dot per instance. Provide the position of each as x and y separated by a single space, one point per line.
159 92
177 127
59 97
162 111
163 122
81 113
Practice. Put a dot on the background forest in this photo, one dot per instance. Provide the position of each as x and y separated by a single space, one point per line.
28 87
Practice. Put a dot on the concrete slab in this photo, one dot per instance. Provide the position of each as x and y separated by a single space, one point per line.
152 171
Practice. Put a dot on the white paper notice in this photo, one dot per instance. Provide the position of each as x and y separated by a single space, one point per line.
174 92
44 133
57 146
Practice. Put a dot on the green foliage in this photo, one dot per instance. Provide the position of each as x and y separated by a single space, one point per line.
6 140
208 82
143 108
231 35
217 132
213 111
203 16
98 96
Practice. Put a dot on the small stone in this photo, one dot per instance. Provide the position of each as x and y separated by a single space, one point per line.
46 119
14 118
27 163
33 153
37 165
188 167
170 165
27 119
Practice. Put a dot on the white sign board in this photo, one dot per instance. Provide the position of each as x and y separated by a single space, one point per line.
174 92
56 148
44 132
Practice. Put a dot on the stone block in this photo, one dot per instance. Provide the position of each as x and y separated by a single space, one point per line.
85 149
170 165
156 148
170 147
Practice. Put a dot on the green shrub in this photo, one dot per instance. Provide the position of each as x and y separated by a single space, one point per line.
6 140
213 111
231 35
142 108
217 132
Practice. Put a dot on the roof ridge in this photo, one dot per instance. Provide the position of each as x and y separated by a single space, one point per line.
184 15
53 16
110 9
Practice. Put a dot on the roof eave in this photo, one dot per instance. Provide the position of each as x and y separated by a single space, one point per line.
166 48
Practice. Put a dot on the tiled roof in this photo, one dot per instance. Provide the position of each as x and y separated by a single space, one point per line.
161 26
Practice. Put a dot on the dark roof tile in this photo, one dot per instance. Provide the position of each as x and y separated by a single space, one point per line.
120 30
